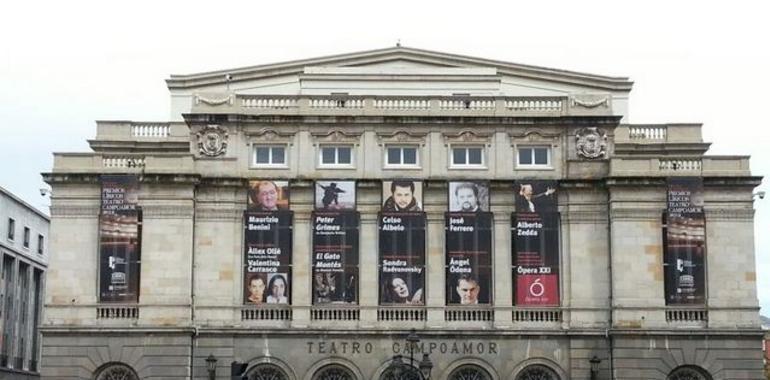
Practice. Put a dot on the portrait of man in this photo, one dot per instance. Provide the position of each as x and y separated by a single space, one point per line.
255 288
335 195
468 290
402 196
266 195
535 196
468 196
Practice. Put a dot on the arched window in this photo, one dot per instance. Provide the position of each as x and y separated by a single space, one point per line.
267 372
469 372
334 372
537 372
401 372
116 371
688 373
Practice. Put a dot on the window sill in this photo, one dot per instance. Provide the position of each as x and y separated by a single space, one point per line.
402 167
344 167
468 167
265 166
534 167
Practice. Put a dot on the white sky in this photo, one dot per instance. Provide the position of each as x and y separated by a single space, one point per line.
64 64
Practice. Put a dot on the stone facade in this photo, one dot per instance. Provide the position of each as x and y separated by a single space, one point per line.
193 187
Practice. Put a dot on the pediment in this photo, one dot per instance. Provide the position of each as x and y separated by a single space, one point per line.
402 61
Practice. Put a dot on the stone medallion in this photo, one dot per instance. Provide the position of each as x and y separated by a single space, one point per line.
212 140
591 143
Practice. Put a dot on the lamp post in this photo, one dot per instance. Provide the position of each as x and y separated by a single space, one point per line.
211 366
398 370
595 361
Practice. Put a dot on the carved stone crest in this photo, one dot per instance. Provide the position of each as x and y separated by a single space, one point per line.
212 140
591 143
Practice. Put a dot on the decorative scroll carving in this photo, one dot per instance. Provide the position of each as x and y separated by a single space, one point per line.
212 140
117 371
591 143
270 135
468 137
591 103
214 101
402 137
337 136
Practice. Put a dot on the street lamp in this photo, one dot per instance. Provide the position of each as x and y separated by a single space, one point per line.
594 367
211 366
398 370
426 366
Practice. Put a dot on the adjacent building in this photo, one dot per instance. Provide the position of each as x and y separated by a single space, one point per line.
24 254
299 220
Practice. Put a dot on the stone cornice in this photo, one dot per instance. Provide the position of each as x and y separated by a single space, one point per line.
218 214
729 214
94 178
167 212
75 211
638 214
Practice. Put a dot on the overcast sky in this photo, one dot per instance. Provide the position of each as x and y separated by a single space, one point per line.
64 64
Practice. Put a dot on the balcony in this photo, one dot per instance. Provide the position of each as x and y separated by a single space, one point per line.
348 105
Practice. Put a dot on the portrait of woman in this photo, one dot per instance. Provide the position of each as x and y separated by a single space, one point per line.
278 289
396 290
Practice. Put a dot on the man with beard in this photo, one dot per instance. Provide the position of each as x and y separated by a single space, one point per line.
402 197
467 197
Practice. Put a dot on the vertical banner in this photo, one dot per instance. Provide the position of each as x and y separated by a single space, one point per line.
267 244
468 246
685 247
535 237
335 243
120 231
402 244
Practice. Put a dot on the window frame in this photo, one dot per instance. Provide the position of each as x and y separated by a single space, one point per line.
11 233
26 238
336 164
467 147
40 244
534 166
401 165
271 164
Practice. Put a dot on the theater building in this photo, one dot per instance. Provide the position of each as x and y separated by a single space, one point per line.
298 220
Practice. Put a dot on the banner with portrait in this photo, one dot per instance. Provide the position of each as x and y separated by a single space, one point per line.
335 257
535 238
335 195
468 248
267 244
120 232
685 242
402 244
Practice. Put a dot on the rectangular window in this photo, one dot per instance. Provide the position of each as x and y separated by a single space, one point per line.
534 156
40 244
336 156
472 157
11 229
26 237
401 156
270 155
